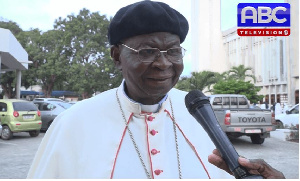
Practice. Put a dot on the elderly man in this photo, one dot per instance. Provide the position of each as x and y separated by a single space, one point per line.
140 129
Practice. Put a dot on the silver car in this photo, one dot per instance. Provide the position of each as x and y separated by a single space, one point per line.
49 110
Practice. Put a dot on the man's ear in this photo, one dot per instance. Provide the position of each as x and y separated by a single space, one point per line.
115 55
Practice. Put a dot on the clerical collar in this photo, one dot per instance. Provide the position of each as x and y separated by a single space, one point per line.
147 108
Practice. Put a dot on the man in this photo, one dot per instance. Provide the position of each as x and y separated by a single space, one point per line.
140 129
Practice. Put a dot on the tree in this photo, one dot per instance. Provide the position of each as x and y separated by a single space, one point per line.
198 80
87 49
12 26
232 86
45 50
30 41
183 84
239 73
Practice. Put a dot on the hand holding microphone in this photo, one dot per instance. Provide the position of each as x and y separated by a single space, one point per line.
255 167
226 157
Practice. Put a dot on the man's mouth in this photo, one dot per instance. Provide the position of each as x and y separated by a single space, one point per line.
159 78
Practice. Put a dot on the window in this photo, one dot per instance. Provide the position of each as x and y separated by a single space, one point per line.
242 101
295 110
226 101
3 107
217 101
233 101
65 105
24 106
47 107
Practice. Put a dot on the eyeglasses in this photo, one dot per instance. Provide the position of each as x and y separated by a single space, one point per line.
149 55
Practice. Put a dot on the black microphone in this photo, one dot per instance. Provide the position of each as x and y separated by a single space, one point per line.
199 106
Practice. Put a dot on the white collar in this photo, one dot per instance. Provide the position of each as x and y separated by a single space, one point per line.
137 107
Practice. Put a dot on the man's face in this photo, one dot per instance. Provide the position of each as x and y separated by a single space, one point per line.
147 83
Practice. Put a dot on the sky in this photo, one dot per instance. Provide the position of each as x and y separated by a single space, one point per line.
42 13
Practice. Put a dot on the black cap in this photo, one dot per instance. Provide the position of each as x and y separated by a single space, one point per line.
146 17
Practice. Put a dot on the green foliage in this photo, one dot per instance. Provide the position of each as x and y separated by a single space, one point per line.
74 56
12 26
198 80
239 73
229 82
8 82
232 86
87 49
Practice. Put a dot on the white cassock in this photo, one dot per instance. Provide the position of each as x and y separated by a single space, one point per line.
90 140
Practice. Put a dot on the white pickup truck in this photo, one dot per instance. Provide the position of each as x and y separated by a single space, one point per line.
236 118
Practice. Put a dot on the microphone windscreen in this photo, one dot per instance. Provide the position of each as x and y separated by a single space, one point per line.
194 99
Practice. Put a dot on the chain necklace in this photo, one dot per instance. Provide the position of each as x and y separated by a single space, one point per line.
136 147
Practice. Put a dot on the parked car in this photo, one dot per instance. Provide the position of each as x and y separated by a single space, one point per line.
19 116
237 118
48 99
49 110
289 119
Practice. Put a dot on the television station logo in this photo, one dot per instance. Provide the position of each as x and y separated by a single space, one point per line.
263 19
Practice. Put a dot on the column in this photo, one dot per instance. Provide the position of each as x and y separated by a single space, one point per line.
18 84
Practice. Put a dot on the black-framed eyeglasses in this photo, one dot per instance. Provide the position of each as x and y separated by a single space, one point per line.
149 55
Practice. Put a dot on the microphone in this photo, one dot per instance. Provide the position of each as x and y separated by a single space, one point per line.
199 107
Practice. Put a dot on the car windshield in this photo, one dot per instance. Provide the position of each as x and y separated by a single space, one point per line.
65 105
295 110
24 106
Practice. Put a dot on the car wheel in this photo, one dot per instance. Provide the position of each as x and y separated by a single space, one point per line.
34 133
279 124
256 139
6 133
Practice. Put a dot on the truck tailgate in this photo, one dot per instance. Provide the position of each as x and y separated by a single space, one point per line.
250 117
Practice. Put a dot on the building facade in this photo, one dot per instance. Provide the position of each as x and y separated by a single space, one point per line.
270 58
274 60
206 37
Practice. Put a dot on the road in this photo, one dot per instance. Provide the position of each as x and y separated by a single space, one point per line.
17 154
282 155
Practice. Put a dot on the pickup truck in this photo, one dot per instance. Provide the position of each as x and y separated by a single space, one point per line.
236 118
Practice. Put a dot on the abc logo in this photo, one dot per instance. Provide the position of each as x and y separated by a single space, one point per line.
264 14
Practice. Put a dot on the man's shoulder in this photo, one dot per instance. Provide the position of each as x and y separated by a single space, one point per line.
177 94
103 96
100 100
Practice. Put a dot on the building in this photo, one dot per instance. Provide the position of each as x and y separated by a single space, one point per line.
207 49
274 60
13 57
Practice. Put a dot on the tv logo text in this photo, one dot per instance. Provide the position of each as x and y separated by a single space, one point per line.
265 15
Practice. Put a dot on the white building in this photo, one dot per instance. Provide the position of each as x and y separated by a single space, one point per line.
13 56
207 49
274 60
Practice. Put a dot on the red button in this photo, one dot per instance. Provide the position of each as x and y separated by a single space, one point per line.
157 172
150 118
154 151
153 132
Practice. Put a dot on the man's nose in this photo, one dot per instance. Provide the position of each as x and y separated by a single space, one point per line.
162 61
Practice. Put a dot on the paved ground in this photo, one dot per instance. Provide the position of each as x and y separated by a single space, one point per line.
17 154
282 155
